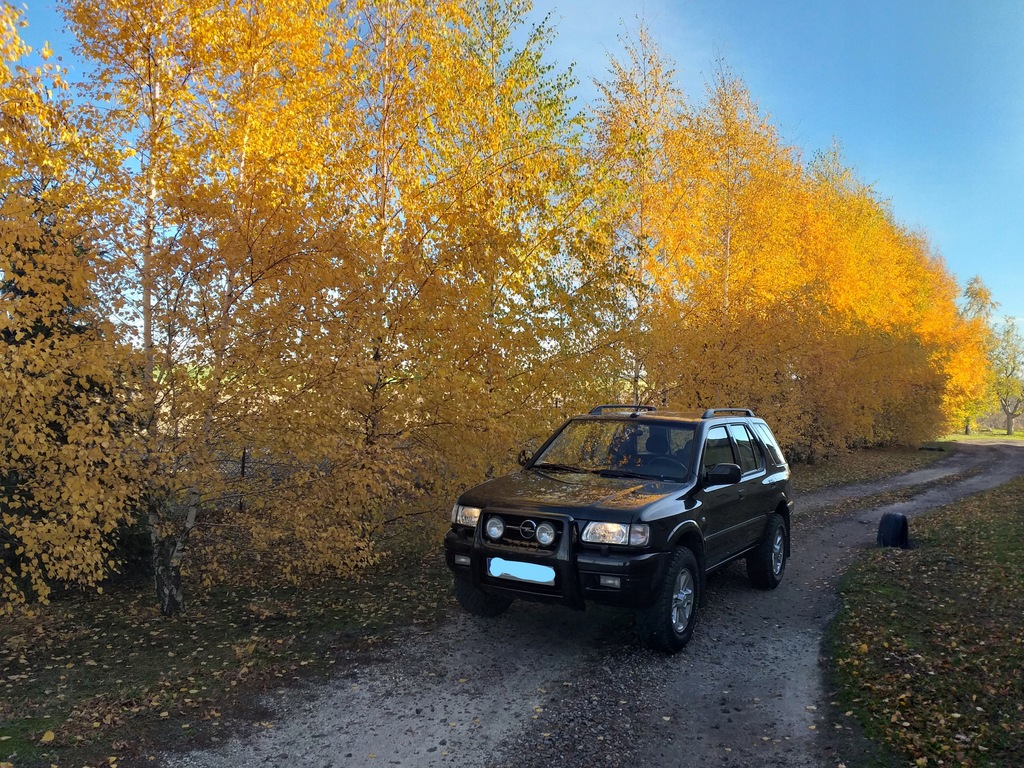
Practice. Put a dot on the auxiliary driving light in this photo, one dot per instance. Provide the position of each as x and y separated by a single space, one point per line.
545 534
495 528
613 582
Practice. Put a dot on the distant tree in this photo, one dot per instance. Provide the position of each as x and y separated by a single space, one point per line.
1008 362
973 393
977 301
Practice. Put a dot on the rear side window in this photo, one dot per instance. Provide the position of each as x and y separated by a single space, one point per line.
750 456
770 442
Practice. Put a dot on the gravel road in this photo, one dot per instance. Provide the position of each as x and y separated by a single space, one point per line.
543 686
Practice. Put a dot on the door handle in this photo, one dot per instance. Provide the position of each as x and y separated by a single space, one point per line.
742 493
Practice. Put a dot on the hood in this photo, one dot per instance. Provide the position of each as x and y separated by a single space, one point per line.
579 495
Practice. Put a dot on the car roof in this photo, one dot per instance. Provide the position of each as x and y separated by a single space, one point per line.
649 413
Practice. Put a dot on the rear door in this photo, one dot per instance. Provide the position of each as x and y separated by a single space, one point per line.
755 495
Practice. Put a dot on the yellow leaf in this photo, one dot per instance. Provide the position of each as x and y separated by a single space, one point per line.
48 737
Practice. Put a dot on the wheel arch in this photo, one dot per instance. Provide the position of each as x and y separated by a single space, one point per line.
785 510
690 536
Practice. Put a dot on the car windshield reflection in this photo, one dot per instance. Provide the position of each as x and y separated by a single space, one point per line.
619 448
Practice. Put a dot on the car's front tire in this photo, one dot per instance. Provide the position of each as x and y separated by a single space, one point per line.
667 624
478 602
767 563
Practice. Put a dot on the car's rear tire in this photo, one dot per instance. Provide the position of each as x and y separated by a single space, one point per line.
478 602
667 624
767 563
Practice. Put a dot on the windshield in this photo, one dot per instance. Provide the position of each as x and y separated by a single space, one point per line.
620 448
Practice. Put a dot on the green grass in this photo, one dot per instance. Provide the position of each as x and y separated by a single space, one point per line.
928 649
989 434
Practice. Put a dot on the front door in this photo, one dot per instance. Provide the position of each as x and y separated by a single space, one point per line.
720 513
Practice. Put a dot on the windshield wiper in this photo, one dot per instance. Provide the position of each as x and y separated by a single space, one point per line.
560 467
624 473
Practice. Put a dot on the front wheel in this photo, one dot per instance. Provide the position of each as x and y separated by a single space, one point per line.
767 563
478 602
667 624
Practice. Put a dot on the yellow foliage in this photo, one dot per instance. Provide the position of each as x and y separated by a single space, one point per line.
782 287
368 251
66 481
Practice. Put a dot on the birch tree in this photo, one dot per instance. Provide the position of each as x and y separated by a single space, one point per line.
67 475
1008 365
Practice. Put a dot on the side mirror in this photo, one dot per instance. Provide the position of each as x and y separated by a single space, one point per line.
523 457
723 474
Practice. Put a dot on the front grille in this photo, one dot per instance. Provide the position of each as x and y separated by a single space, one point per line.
520 531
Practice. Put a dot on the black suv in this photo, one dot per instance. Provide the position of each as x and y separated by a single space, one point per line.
627 506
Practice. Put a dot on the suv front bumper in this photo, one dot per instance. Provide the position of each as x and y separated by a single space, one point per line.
581 573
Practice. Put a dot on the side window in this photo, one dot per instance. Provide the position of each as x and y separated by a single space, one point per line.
717 449
770 443
750 458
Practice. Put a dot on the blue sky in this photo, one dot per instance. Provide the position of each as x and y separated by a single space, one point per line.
926 97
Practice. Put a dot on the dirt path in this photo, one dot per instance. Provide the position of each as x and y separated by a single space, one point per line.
541 686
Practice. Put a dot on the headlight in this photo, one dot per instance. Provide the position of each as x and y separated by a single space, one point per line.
465 515
617 533
545 534
495 528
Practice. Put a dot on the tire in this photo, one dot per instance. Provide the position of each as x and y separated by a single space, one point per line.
478 602
894 531
667 624
767 564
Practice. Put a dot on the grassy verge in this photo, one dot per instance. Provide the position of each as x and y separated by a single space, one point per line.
861 466
988 434
94 680
929 647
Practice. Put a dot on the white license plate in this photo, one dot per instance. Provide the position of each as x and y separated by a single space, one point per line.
516 571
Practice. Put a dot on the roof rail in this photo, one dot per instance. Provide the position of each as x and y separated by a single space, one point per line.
710 413
622 407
